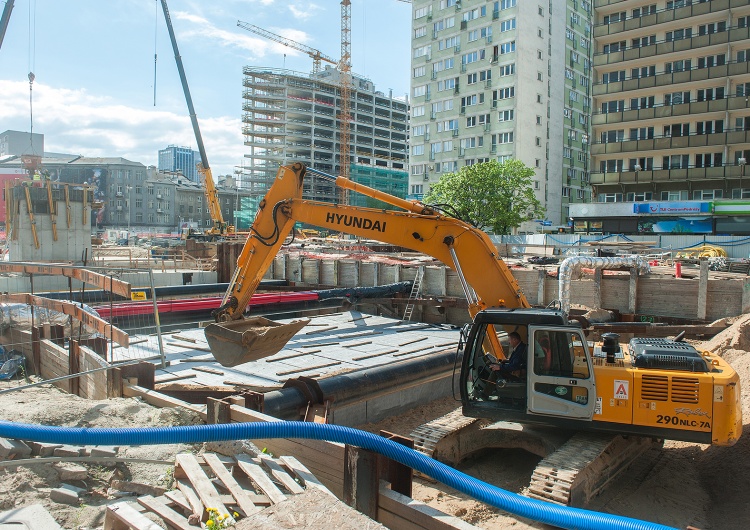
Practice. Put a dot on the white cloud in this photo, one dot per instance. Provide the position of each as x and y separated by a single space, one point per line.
304 13
241 39
78 122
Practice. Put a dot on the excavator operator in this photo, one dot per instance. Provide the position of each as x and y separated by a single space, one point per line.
510 369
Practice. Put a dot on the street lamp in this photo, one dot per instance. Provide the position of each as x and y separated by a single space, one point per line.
637 168
741 161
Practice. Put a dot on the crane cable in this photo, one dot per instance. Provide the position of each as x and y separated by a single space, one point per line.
156 25
32 61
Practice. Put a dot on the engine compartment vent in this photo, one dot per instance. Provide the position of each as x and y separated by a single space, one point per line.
666 354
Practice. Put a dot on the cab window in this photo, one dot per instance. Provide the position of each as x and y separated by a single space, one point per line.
559 354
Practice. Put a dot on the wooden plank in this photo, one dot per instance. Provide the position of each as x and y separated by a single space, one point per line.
202 484
177 497
160 400
170 516
243 501
296 468
256 473
392 520
171 378
121 516
281 475
419 513
196 506
207 370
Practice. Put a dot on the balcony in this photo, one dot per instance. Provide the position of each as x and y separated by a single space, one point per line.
675 78
658 176
662 16
694 44
675 142
666 111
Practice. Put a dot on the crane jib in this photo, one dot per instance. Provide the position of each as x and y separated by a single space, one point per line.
355 222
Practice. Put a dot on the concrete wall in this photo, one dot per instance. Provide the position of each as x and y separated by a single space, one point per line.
71 243
660 295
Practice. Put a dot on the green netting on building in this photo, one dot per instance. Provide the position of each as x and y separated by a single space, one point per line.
392 181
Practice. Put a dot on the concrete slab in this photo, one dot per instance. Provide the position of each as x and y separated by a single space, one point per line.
67 494
32 517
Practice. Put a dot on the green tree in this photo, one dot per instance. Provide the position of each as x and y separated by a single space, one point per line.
491 196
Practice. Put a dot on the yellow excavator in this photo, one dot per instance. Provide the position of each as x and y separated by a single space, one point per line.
657 388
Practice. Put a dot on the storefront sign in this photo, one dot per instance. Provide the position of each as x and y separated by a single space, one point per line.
732 208
676 208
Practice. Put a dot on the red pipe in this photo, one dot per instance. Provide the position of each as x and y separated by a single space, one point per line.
199 304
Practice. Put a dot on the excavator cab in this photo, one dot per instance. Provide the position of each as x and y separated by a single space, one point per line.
557 380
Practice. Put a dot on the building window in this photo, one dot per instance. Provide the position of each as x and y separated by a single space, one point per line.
638 196
613 106
675 162
676 98
707 195
679 34
643 11
506 115
610 197
709 160
674 195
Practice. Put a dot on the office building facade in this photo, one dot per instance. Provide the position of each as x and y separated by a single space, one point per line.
182 159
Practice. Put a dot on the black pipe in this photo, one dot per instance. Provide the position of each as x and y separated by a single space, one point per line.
357 386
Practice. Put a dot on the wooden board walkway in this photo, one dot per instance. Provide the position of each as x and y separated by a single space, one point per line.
233 486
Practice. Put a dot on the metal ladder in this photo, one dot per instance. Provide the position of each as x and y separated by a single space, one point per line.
416 287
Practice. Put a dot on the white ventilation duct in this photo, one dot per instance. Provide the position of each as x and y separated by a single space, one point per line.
574 264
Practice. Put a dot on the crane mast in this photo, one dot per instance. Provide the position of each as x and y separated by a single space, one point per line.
346 87
212 195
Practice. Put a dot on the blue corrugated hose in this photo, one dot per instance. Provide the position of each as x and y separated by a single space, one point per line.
552 514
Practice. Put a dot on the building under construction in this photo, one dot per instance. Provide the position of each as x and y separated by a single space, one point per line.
291 116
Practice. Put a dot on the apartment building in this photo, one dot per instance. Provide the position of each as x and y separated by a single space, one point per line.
294 117
671 122
494 80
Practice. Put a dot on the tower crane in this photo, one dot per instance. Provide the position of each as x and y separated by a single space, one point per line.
345 66
316 55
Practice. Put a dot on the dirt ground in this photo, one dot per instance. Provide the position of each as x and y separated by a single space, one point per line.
683 484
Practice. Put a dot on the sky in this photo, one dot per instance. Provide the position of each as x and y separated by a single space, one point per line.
93 62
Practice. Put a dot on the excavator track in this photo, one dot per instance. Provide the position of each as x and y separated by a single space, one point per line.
584 466
427 436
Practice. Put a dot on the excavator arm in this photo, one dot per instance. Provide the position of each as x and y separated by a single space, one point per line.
485 278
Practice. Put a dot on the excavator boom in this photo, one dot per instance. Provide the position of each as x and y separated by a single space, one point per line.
485 277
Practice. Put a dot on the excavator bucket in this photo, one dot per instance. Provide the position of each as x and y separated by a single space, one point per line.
241 341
